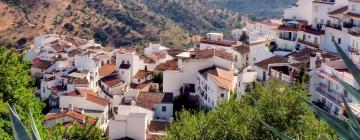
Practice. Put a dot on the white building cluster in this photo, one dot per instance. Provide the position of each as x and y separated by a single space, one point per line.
304 40
81 80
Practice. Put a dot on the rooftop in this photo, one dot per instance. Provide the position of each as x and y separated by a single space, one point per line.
275 59
149 100
221 77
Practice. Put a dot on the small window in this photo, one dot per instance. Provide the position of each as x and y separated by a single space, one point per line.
138 80
163 108
222 95
339 40
128 62
123 62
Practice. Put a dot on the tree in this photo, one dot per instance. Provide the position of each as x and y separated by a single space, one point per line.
17 88
88 131
276 104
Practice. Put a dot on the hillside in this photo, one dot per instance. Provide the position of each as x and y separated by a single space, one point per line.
127 22
257 9
114 23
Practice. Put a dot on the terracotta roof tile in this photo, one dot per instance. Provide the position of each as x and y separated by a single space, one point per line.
242 49
41 64
74 52
75 115
107 69
97 100
221 77
149 100
275 59
142 74
168 65
111 80
207 53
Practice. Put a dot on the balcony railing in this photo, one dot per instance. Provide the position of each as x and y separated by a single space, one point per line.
280 76
315 45
332 95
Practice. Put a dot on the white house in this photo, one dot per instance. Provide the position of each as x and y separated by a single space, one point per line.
214 85
89 101
326 90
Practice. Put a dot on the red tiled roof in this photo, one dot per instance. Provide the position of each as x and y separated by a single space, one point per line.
207 53
339 11
74 52
142 74
107 69
41 64
168 65
242 49
73 114
275 59
97 100
353 14
221 77
111 80
149 100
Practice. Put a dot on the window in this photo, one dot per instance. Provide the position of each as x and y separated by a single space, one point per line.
345 93
315 40
316 8
138 80
43 90
353 7
316 20
339 40
123 62
222 95
163 108
236 58
128 62
122 72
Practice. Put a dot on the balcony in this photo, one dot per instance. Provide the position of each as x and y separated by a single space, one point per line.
332 95
307 43
281 76
334 26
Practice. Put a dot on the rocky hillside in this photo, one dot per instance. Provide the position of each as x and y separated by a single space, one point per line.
112 22
256 9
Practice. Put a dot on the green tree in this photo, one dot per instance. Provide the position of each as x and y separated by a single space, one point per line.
276 103
17 88
88 131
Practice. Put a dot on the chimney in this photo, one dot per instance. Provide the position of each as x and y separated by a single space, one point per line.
313 59
71 108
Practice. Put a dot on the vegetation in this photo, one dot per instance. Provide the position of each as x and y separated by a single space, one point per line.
88 131
348 128
256 9
26 119
16 88
174 37
276 104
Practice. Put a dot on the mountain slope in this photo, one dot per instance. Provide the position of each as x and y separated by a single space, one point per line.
257 9
114 23
122 22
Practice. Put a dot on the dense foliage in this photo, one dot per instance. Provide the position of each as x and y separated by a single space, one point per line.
16 88
276 103
88 131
